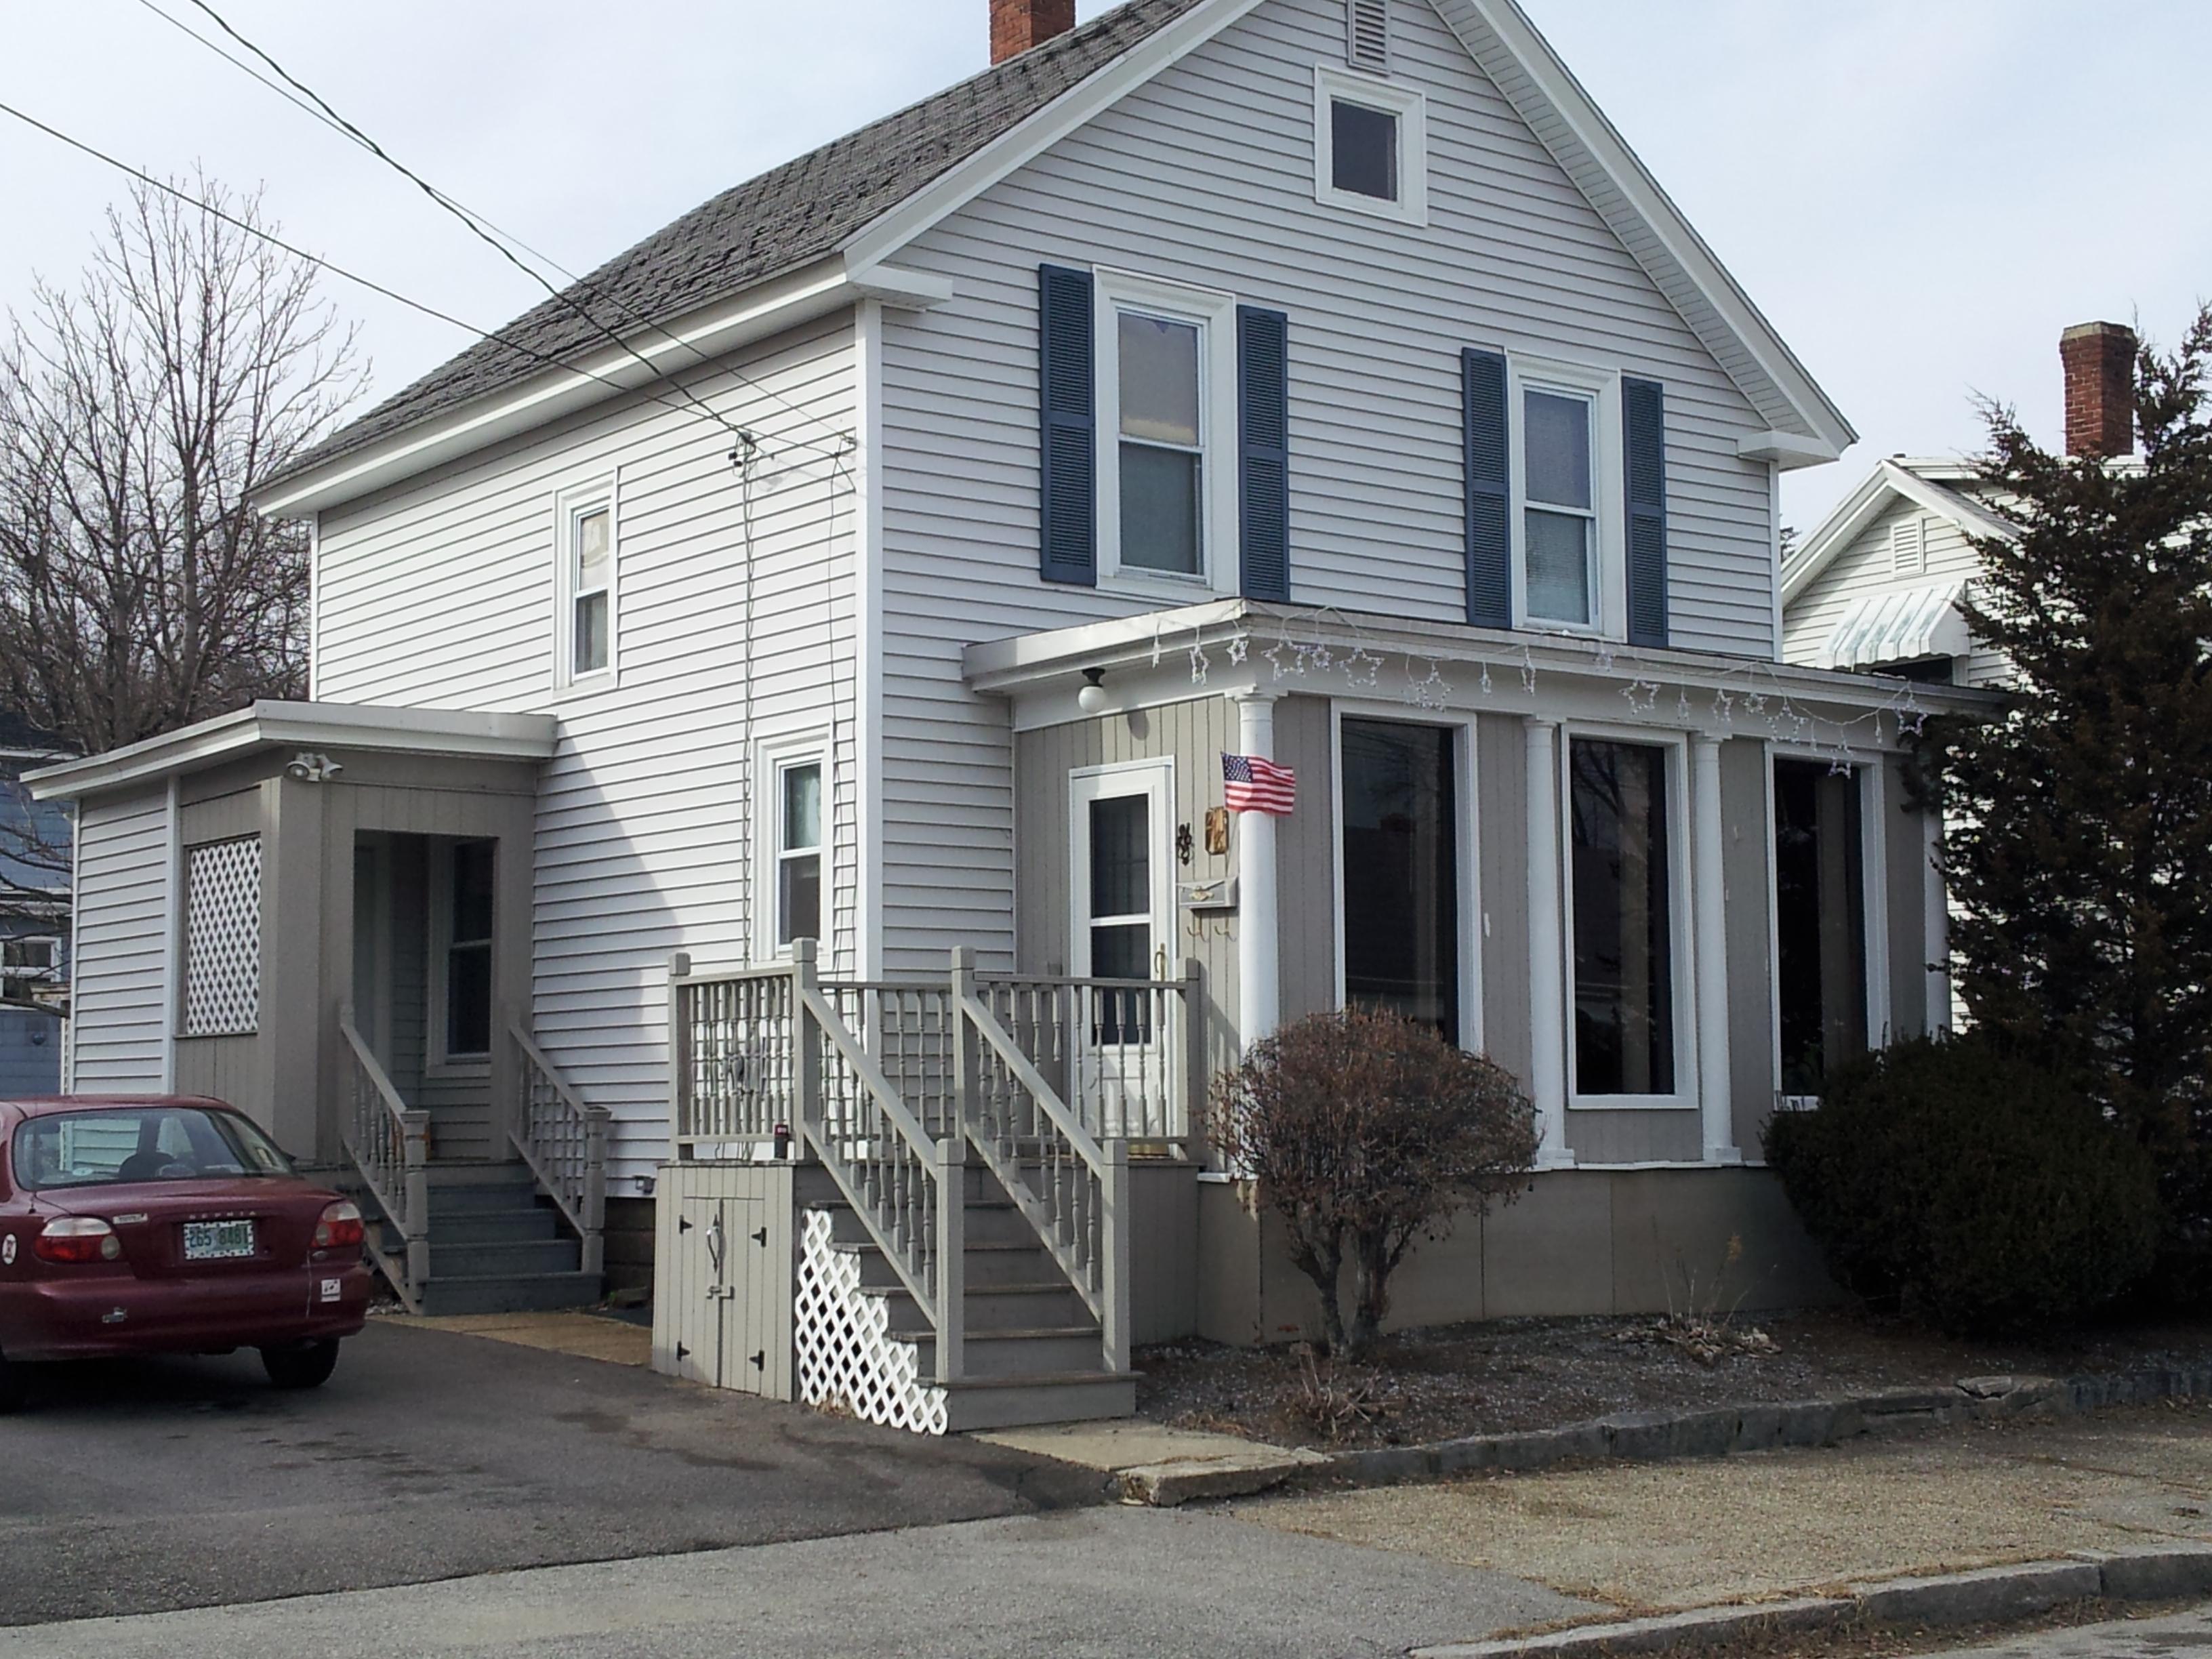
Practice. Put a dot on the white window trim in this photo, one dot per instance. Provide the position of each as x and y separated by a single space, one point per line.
1410 109
1474 921
772 757
1683 942
1524 374
1869 767
1155 779
1215 314
569 506
438 870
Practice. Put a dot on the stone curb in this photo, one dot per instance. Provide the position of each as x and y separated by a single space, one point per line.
1649 1436
1988 1596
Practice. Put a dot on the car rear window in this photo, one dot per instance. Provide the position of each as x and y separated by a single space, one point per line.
146 1142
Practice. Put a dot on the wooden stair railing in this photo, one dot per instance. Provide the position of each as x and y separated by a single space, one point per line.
389 1144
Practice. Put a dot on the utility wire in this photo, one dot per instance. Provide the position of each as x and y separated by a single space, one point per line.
748 444
485 230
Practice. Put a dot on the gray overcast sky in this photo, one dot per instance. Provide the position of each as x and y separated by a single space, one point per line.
1920 193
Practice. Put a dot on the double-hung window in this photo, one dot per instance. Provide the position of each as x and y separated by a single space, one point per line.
1166 383
585 570
1568 513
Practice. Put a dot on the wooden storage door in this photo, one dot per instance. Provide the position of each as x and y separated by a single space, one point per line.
726 1277
761 1281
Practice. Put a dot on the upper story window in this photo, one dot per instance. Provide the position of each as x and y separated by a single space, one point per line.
1568 519
1167 426
584 627
1370 146
27 965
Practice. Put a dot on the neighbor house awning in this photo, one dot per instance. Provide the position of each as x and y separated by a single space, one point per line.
1903 624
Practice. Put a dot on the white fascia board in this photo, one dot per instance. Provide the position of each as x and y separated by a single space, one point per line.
1889 480
1569 122
1043 671
441 732
881 238
688 342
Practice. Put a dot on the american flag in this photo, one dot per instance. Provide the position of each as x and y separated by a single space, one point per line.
1250 784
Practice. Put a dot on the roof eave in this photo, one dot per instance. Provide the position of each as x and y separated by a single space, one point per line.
756 313
457 734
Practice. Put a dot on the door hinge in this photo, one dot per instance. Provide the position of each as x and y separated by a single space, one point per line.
759 1360
683 1352
761 1238
682 1224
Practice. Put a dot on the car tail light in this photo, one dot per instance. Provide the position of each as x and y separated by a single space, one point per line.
340 1228
77 1238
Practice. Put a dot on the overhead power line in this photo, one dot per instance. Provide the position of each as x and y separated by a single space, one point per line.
490 235
354 277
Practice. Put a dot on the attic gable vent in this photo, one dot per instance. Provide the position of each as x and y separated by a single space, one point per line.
1908 547
1367 34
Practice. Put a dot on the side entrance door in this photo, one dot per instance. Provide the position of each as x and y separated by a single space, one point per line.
1121 883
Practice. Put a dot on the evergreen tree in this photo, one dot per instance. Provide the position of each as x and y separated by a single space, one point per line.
2078 840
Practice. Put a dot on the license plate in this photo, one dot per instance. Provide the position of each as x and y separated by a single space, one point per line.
217 1241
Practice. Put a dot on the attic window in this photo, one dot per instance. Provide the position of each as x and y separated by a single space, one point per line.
1370 146
1367 35
1908 548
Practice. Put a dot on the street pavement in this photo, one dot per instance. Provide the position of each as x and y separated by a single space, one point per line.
2167 1638
191 1483
1077 1582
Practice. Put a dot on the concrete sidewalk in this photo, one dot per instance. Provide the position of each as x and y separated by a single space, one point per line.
1655 1537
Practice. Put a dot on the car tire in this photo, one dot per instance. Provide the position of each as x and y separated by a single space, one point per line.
302 1364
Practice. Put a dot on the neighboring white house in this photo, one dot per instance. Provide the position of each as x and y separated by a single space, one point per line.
1880 583
1319 379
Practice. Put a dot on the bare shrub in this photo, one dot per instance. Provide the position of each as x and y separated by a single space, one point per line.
1365 1131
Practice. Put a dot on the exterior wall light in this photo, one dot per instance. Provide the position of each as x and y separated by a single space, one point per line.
1092 699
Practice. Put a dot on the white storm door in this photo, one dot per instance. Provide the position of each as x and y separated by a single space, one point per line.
1121 883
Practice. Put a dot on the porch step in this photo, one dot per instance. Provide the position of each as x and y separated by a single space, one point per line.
510 1292
1017 1402
454 1259
498 1226
991 1356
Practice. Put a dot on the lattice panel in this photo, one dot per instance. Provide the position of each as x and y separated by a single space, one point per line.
222 938
847 1353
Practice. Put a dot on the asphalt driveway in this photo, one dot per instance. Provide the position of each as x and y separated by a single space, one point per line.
190 1483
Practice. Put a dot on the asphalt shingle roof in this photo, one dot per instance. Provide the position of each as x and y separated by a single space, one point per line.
785 218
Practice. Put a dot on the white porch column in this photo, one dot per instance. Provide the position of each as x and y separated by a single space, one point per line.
1547 972
1259 962
1937 926
1708 895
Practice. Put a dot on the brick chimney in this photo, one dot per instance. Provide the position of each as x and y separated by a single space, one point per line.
2101 388
1017 25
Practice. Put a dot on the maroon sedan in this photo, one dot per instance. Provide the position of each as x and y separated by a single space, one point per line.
168 1225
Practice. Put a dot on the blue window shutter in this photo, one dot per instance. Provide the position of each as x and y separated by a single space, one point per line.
1489 492
1644 416
1067 371
1263 452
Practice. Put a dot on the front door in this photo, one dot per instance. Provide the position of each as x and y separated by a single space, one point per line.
1121 879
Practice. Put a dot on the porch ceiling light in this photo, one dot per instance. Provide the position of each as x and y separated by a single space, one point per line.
1092 699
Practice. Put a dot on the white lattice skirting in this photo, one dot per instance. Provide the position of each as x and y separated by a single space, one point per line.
847 1353
222 938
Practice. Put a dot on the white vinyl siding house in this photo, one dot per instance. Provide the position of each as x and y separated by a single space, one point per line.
1202 177
448 591
1905 548
1070 433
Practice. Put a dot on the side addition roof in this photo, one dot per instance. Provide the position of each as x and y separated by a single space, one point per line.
819 231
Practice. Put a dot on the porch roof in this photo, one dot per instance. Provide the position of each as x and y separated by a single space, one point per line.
307 727
1145 655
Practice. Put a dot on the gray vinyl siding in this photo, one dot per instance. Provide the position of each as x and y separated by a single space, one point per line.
1501 828
118 1033
1863 567
1204 176
1905 838
440 594
1309 892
